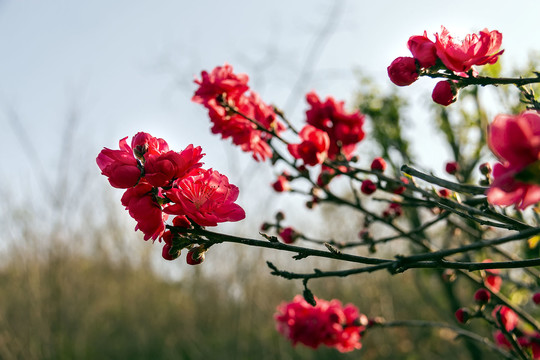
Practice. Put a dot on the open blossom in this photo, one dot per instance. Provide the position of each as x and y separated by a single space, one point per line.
120 166
475 49
142 206
160 170
232 88
515 140
145 144
206 199
343 128
314 146
508 318
327 323
221 80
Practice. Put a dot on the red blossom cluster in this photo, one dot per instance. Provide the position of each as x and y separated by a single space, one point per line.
161 182
327 323
245 117
458 57
507 319
515 140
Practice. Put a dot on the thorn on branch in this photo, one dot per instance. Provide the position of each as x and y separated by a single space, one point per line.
332 249
300 256
270 238
272 267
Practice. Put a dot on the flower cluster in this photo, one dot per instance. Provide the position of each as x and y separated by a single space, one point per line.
160 182
236 114
327 323
454 57
507 319
515 140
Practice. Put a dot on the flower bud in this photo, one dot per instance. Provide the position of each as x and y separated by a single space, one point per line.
167 237
462 315
482 296
485 168
378 164
280 216
444 93
452 167
444 193
368 187
423 50
166 252
289 235
181 221
195 256
402 71
281 184
265 226
536 298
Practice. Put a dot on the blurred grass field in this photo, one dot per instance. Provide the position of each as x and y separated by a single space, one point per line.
93 289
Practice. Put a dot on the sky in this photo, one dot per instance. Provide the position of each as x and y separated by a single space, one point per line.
96 71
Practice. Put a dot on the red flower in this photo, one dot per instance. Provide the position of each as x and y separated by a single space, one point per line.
160 170
143 143
402 71
166 252
140 203
120 166
289 235
314 147
206 199
368 187
378 164
195 256
444 93
462 315
536 298
515 140
509 318
325 323
398 188
344 129
220 81
281 184
444 193
482 296
423 50
244 133
452 167
476 49
501 340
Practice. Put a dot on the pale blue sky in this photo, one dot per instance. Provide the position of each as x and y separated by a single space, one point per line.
128 66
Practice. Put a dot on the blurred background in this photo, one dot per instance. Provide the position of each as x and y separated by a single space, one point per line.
77 282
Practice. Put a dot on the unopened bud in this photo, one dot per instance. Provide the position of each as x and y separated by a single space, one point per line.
195 256
485 168
462 315
368 187
265 226
482 296
378 164
452 167
166 252
280 216
536 298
